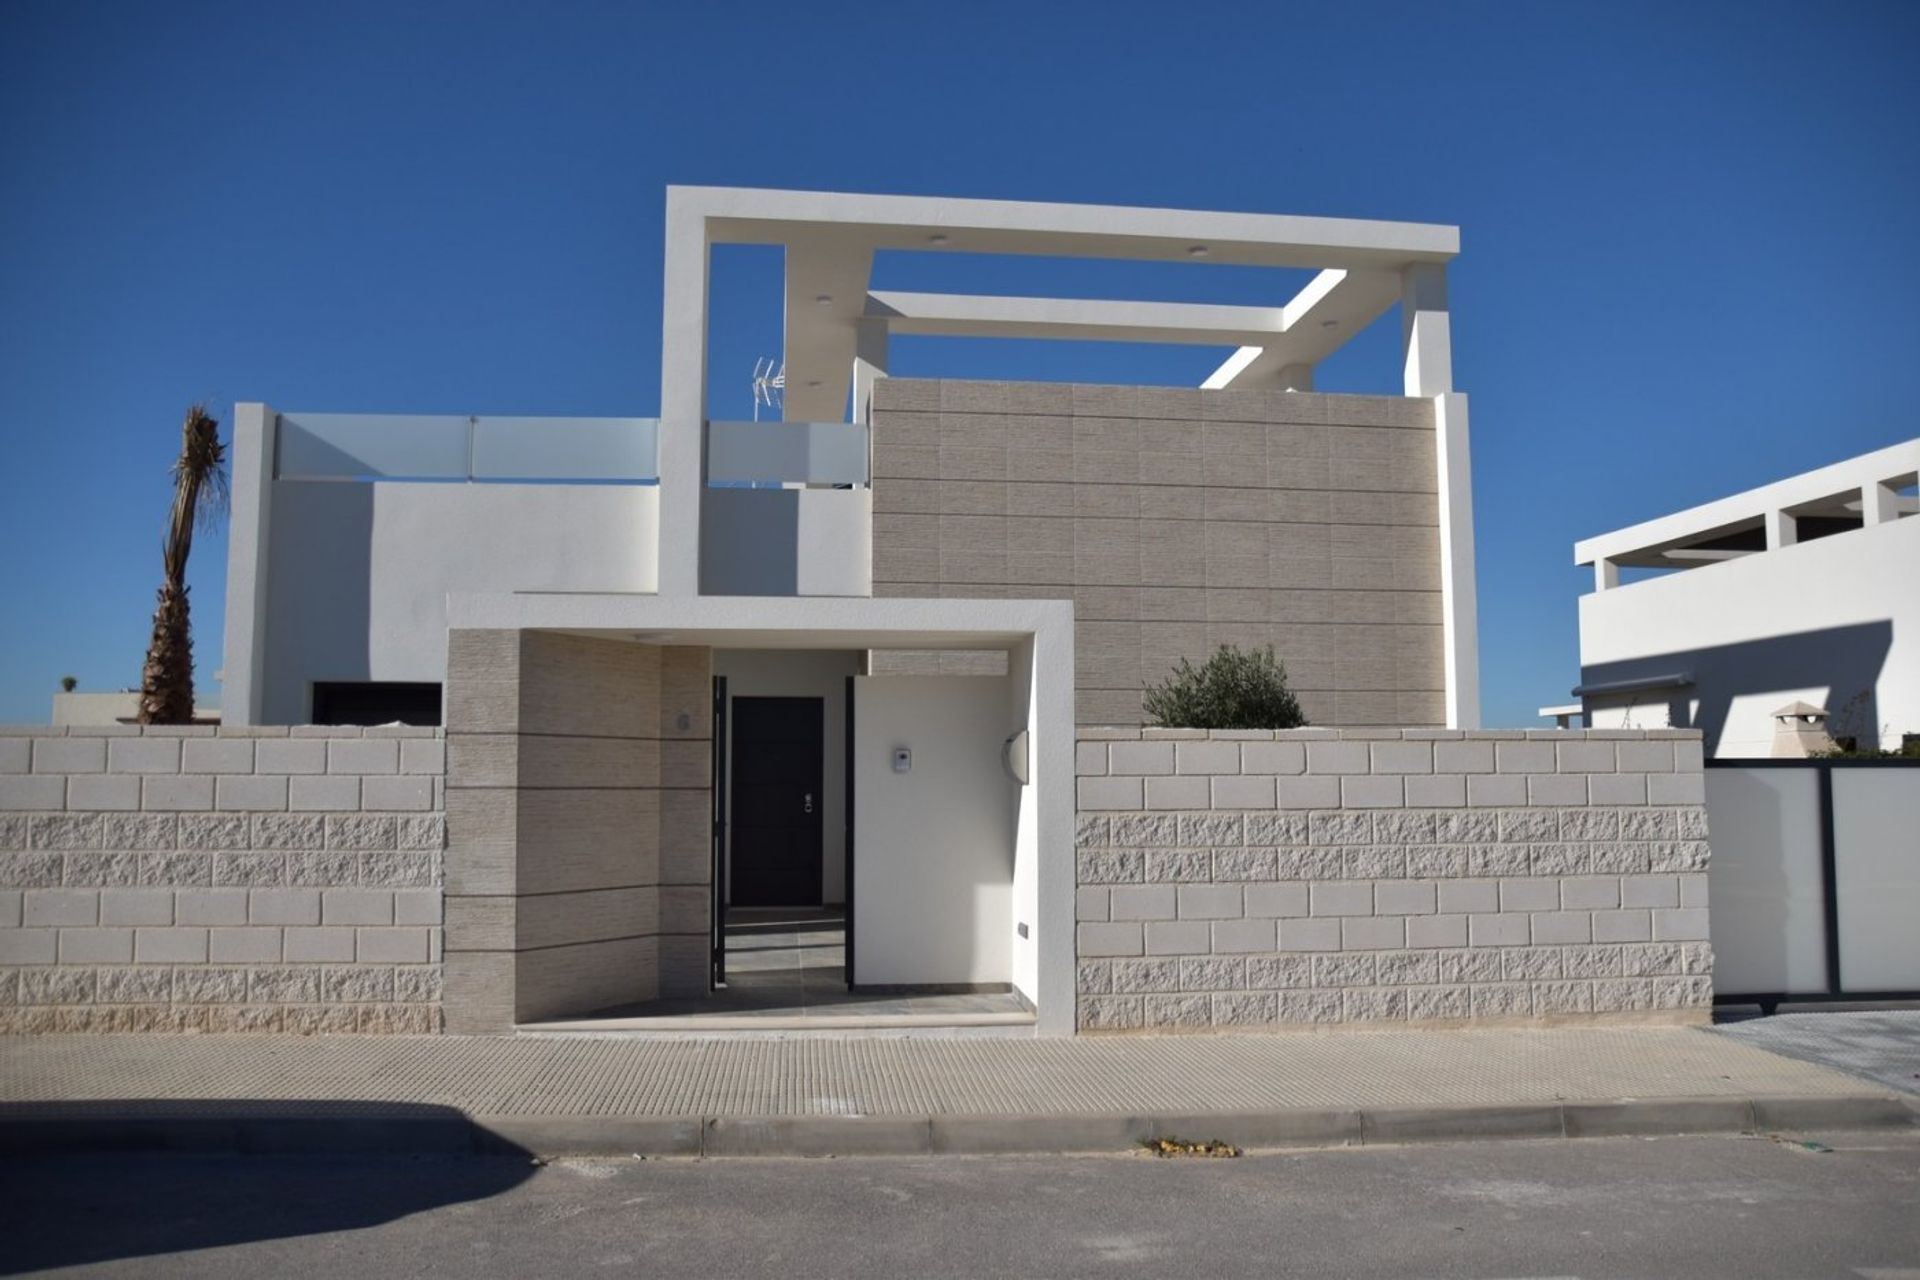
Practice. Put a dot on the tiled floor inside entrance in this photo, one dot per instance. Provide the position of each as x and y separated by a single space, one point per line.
786 969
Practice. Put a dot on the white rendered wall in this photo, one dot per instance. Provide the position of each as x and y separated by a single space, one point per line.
802 673
99 708
358 573
1818 620
1023 693
934 848
786 542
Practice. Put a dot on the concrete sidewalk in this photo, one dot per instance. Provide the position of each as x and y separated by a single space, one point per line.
661 1096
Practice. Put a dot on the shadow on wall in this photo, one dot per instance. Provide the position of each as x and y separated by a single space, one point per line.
1846 660
320 583
750 542
91 1182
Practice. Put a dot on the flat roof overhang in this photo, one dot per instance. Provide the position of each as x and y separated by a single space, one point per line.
786 622
1640 684
750 215
1830 490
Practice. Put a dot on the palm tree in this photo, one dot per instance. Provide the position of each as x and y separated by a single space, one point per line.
199 496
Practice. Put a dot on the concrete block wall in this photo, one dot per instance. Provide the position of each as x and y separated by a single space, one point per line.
231 879
579 825
1304 877
1176 520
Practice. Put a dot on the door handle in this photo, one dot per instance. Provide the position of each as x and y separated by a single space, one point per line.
809 802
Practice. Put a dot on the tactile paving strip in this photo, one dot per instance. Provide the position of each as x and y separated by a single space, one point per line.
585 1077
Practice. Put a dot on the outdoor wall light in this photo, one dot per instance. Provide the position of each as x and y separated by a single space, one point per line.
1013 756
1198 251
823 299
937 238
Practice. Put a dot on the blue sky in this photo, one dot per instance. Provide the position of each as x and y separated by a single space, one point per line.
1689 262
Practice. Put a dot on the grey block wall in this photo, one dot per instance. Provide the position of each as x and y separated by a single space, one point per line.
1177 520
578 794
239 879
1262 879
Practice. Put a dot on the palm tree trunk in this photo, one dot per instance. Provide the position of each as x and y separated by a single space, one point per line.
199 487
166 682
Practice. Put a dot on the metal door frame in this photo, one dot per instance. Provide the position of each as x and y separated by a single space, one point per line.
717 976
847 814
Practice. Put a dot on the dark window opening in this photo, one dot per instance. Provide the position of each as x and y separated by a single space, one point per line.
370 702
1807 528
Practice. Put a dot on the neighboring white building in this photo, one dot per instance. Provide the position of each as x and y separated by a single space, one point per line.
1806 590
122 707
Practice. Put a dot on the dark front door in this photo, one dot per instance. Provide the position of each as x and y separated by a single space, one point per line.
777 750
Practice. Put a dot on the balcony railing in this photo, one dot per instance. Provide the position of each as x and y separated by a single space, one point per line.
446 449
749 454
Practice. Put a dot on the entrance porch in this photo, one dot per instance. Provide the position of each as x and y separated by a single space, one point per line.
630 849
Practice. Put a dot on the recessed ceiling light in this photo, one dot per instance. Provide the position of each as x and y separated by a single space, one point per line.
937 238
823 299
1198 251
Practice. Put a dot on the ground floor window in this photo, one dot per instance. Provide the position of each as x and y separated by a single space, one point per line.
375 702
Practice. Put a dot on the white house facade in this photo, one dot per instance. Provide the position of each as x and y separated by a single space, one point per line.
872 571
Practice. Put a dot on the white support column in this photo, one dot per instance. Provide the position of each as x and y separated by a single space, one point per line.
1879 504
1460 626
1295 377
1425 330
683 397
1606 574
243 681
1783 530
869 364
1426 333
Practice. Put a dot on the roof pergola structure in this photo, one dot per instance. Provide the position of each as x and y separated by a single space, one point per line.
838 325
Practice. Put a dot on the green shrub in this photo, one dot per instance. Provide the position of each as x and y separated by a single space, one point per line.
1909 749
1230 690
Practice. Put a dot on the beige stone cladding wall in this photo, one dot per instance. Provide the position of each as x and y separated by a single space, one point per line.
1236 880
239 879
1177 520
578 825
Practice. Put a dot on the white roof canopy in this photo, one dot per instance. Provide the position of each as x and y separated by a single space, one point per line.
830 240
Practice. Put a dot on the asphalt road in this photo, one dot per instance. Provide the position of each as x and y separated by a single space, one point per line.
1744 1207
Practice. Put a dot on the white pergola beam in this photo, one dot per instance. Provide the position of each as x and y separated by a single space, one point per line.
822 336
744 215
979 316
1320 319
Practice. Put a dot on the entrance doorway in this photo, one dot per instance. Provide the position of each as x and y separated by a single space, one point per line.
777 777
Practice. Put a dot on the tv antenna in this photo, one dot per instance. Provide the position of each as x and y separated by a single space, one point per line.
769 384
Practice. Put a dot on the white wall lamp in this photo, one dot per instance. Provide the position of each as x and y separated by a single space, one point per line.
1013 756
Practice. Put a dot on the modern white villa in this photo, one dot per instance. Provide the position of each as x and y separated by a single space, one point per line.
1725 616
826 577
